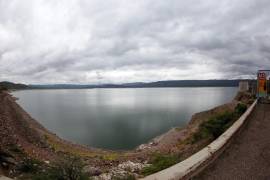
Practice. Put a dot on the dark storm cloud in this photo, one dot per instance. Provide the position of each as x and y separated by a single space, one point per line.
124 41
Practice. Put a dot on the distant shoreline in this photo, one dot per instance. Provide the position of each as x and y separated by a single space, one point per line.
120 88
157 84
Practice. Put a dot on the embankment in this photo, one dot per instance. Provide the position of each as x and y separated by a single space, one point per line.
23 137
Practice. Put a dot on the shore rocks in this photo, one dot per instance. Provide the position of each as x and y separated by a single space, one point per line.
131 166
125 170
6 160
91 171
147 146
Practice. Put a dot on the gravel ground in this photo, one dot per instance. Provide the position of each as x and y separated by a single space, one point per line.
248 157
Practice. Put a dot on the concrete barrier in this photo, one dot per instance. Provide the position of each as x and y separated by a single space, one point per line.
197 162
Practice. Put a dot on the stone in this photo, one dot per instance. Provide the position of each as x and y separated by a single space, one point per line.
131 166
11 160
91 171
8 160
47 162
4 165
105 176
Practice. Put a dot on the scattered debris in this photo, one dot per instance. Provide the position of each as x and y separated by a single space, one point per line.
91 171
132 167
47 162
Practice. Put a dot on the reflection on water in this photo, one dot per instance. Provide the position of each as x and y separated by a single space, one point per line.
118 118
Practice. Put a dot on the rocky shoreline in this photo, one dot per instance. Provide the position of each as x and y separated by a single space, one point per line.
23 138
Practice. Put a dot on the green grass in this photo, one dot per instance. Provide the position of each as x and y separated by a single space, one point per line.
159 162
218 124
240 109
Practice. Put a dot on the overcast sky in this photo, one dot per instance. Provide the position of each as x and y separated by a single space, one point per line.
116 41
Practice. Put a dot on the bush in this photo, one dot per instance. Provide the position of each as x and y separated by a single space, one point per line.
43 176
69 168
2 88
159 162
240 109
216 125
14 148
29 165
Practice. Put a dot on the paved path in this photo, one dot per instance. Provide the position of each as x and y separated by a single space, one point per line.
4 178
248 157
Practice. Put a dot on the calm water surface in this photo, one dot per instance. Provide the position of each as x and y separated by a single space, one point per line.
118 118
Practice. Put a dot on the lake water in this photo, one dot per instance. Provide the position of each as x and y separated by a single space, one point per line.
118 118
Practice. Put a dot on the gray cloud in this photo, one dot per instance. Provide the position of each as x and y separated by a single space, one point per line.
80 41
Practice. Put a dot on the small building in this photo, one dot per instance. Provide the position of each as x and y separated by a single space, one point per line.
243 86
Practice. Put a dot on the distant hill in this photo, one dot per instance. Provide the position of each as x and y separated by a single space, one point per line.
171 83
193 83
10 85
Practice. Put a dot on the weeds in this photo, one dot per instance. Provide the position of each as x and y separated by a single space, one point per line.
159 162
69 168
240 109
29 165
216 125
14 148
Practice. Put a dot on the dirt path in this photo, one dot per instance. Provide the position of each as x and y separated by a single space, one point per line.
248 157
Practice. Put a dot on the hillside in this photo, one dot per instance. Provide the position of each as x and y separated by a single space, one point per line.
9 85
171 83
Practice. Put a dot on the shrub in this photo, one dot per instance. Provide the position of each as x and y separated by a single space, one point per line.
69 168
43 176
216 125
29 165
159 162
199 135
16 149
2 88
240 109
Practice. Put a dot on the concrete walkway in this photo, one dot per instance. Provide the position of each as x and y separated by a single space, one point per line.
248 157
4 178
